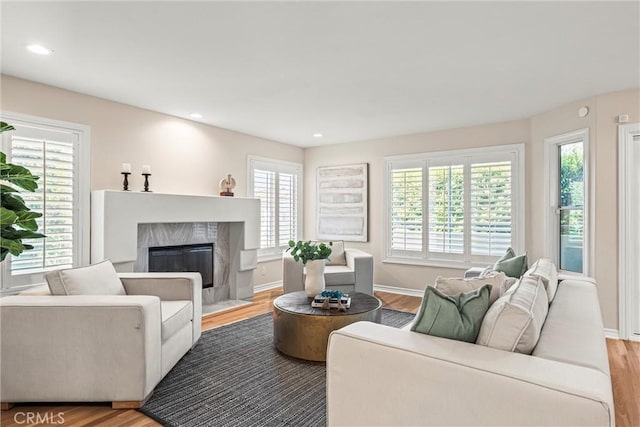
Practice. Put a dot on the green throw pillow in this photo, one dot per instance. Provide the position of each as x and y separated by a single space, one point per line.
455 317
512 265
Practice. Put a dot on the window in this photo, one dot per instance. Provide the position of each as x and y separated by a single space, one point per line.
57 153
278 185
566 225
455 208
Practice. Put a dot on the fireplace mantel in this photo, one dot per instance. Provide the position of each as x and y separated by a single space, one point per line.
115 216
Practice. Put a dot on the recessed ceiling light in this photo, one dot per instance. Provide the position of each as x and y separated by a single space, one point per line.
195 115
317 135
39 49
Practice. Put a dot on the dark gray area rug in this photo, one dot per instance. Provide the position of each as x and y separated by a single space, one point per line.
235 377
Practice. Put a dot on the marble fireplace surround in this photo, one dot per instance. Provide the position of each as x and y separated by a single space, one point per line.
116 217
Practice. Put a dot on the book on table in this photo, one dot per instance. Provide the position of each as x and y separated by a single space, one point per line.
319 302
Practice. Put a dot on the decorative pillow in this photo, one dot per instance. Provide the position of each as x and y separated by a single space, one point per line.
453 286
454 317
514 322
508 281
96 279
512 265
337 256
545 269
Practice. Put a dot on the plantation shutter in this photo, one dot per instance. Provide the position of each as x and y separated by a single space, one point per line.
264 188
53 161
277 184
288 208
491 210
446 209
406 210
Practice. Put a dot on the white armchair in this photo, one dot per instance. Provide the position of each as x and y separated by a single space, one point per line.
97 348
350 270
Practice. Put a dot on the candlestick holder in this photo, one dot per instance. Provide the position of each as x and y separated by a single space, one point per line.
146 182
125 182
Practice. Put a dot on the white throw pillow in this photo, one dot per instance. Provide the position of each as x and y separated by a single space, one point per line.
508 281
456 285
545 269
514 322
337 256
96 279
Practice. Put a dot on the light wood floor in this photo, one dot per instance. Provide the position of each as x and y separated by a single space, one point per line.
624 358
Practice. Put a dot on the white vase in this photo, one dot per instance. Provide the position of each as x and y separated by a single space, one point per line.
314 283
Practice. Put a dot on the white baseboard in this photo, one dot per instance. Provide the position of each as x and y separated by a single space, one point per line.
611 333
267 286
401 291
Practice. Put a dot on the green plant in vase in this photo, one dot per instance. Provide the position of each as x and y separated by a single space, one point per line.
313 256
17 220
305 251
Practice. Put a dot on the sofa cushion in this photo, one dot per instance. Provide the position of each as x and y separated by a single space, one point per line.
95 279
456 317
545 269
336 275
456 285
573 332
512 265
513 323
175 314
337 256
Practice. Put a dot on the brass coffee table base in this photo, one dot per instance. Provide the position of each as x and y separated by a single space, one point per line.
303 332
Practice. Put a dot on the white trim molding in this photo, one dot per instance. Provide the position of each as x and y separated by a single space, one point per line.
267 286
399 291
611 334
628 232
551 218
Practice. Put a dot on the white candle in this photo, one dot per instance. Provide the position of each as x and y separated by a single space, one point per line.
146 168
126 167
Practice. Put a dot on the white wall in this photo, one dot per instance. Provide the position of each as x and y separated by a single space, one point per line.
186 157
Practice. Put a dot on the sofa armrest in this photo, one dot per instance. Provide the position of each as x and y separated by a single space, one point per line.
169 287
407 378
79 348
565 276
292 274
362 265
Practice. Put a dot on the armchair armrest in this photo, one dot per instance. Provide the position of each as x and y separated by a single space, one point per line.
169 287
60 348
362 265
292 273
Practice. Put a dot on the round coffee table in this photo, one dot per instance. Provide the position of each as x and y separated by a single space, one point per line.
302 331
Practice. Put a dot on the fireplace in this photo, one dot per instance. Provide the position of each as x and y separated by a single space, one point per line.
193 258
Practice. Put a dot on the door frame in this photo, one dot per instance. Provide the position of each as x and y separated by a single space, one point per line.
628 209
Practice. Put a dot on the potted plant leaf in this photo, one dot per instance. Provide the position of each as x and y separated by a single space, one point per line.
17 220
313 256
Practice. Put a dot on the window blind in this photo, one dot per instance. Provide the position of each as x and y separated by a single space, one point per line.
491 208
446 209
53 162
406 209
288 208
454 208
277 184
264 188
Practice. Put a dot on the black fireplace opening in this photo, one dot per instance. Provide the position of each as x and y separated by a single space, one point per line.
184 258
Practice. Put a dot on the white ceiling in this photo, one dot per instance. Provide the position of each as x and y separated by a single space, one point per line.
350 70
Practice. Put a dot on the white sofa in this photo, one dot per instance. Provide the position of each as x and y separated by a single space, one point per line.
378 375
98 348
355 274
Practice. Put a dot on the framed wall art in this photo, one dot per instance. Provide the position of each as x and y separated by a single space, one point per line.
342 202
